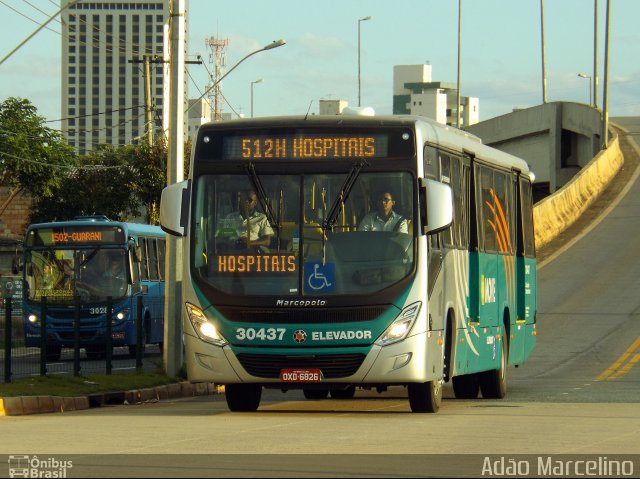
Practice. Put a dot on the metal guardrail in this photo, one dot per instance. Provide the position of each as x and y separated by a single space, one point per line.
19 361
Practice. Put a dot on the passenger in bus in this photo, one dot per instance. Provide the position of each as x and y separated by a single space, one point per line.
384 219
247 223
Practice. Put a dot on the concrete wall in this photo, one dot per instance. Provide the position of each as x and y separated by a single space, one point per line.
556 139
557 212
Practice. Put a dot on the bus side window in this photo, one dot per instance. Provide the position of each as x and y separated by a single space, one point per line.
153 259
431 164
144 263
445 172
135 268
526 240
161 256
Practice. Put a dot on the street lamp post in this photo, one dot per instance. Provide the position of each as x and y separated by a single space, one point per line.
360 20
253 83
270 46
584 75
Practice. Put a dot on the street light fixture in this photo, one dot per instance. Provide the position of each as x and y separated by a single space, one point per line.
253 83
270 46
360 20
584 75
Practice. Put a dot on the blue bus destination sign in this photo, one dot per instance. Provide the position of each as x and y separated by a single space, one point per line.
75 235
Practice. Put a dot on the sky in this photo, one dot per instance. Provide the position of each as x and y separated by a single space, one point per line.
501 52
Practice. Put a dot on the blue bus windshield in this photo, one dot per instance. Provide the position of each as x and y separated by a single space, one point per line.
61 274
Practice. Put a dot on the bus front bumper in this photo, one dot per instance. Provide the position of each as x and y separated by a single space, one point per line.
416 359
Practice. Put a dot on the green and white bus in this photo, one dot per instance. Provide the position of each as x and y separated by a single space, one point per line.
319 303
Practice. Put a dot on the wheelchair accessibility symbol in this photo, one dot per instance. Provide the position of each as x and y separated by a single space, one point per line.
319 278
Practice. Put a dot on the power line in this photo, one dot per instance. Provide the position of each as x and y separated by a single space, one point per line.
66 167
95 114
135 49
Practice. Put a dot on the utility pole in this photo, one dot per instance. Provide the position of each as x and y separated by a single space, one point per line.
605 101
148 101
459 47
147 60
544 64
172 353
595 54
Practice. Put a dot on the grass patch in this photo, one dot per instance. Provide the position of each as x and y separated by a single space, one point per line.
72 386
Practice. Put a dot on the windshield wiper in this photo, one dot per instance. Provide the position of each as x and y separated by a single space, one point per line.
332 217
262 197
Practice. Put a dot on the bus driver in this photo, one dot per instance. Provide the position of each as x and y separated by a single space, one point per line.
385 219
248 223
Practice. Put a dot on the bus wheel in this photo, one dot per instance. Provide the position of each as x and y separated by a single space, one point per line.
425 397
493 384
466 386
243 397
346 393
315 393
96 351
133 349
53 353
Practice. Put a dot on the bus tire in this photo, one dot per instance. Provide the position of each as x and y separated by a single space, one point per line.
425 397
346 393
96 351
133 349
315 393
493 384
466 386
243 397
53 352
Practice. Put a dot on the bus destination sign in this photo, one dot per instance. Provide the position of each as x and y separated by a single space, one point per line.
305 146
75 235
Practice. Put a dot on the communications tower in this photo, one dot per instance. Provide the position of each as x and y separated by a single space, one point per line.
218 62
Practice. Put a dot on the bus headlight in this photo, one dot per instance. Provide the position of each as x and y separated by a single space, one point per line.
399 329
120 316
33 319
205 329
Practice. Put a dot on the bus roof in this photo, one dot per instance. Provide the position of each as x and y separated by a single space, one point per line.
129 228
429 131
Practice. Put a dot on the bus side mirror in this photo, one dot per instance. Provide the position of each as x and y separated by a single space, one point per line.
436 206
174 208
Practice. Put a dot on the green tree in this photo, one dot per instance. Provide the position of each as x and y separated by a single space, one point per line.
33 158
149 166
102 185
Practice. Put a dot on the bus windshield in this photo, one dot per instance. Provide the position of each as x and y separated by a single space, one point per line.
303 234
60 274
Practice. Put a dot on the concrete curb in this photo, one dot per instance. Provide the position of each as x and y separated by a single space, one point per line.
23 405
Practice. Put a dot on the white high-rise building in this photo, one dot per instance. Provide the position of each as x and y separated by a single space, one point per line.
103 87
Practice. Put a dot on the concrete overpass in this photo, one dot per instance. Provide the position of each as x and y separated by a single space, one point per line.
561 142
557 139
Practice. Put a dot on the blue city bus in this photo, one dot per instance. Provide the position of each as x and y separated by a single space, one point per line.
87 261
312 291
